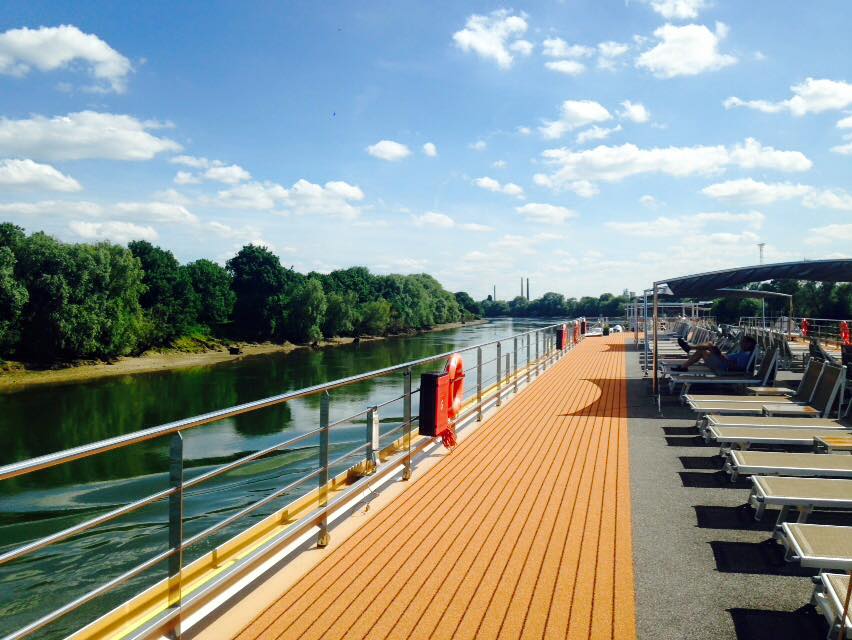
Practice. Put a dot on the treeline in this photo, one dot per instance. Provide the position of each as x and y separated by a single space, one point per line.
810 300
552 305
61 301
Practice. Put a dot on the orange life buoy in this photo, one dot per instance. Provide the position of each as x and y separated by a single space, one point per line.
806 327
455 370
844 333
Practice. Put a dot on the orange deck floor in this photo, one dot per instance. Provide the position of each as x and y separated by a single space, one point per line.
524 531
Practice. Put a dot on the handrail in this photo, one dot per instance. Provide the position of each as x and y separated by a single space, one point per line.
84 451
318 517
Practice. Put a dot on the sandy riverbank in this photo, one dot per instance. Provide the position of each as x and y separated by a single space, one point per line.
17 376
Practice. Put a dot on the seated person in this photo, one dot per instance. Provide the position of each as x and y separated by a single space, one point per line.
715 359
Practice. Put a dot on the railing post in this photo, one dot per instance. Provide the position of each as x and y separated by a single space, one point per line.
406 413
529 360
515 356
479 384
176 525
508 371
323 538
536 353
499 372
372 457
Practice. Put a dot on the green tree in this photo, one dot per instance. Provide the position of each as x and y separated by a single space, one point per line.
467 303
13 297
340 314
375 318
307 312
262 287
169 301
212 284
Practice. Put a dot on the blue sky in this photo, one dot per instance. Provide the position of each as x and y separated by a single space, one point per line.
588 145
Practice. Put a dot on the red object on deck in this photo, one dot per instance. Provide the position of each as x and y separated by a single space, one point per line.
806 327
562 338
441 400
844 333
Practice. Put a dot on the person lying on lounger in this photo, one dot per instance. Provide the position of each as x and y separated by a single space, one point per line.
715 359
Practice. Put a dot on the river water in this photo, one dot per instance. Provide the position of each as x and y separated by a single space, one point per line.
52 418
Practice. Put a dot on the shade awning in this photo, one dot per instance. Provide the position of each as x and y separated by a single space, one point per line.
708 284
751 293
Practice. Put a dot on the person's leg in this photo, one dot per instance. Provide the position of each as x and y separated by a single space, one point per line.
696 357
715 361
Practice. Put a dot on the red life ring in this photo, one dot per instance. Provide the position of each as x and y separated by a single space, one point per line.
806 327
844 333
455 369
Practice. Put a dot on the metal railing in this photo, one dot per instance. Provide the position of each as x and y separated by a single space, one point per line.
523 362
822 329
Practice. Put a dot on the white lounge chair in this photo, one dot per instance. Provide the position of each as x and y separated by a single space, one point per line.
800 494
819 546
773 463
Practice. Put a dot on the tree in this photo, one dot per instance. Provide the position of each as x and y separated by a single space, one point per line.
212 285
375 318
262 287
169 301
340 314
307 312
467 303
83 299
13 297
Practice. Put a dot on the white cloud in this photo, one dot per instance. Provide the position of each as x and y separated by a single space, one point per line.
830 233
26 174
596 133
568 67
811 96
688 224
635 112
678 9
649 202
51 48
524 47
558 48
81 135
52 208
389 150
121 232
615 163
845 123
686 51
489 36
173 196
490 184
828 199
230 174
335 198
524 131
499 164
479 145
575 114
609 52
430 149
751 192
435 220
156 212
546 213
191 161
185 177
843 149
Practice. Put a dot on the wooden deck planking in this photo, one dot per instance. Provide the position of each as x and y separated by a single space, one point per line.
523 532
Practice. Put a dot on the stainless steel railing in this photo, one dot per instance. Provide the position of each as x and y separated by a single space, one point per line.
508 371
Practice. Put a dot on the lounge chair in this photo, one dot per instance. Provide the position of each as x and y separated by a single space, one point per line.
763 376
771 463
743 437
824 396
800 494
829 598
768 422
818 546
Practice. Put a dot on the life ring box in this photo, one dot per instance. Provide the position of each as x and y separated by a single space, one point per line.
434 393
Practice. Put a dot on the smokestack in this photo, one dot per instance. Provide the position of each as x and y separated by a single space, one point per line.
522 286
528 289
495 293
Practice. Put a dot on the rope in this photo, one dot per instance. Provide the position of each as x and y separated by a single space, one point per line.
448 438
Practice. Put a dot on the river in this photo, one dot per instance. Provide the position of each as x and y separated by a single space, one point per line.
45 419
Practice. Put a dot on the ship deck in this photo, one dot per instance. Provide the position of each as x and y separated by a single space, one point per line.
523 531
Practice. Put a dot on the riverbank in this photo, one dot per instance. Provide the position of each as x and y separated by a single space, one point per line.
16 376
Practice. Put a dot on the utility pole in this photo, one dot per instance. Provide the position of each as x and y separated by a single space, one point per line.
760 246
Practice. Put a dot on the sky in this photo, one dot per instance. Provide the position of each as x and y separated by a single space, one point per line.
588 145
